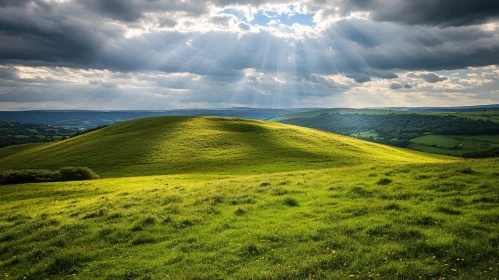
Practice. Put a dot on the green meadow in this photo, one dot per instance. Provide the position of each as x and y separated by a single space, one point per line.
224 198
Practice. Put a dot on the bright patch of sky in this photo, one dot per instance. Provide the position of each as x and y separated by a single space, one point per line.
266 17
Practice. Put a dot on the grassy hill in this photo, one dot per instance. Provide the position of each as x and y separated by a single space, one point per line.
360 211
173 145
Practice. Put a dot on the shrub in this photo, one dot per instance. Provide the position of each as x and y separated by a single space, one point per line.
76 174
27 176
8 177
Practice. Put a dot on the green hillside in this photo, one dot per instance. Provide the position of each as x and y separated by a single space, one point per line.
173 145
325 207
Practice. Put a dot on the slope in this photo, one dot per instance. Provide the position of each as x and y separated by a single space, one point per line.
173 145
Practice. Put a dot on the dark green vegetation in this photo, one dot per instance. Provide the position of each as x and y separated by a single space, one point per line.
174 145
434 221
8 177
323 206
442 133
22 133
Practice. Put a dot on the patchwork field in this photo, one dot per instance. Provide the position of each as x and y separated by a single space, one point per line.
316 206
455 144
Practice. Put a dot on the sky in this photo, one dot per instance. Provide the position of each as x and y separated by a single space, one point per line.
168 54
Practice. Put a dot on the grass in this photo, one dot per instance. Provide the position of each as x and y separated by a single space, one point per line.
366 211
330 223
176 145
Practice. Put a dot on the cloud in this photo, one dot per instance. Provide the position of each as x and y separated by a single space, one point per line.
396 86
244 26
214 52
428 77
442 13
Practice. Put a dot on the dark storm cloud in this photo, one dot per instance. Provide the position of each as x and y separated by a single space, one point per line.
441 13
7 3
134 10
42 36
125 10
428 77
359 49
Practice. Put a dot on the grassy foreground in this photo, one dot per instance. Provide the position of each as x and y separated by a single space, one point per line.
428 221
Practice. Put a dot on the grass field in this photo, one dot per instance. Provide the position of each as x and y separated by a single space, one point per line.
433 221
366 211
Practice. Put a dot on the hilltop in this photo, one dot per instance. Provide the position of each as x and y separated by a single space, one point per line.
174 145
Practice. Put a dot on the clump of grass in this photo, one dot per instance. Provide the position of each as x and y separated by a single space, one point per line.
384 181
467 170
392 206
422 177
447 210
289 201
360 192
150 220
250 250
100 213
239 212
265 184
67 263
279 192
485 199
185 223
143 238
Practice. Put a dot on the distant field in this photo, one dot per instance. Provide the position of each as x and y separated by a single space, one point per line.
438 140
479 115
447 144
366 134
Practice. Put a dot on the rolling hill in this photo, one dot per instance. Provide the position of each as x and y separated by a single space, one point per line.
173 145
381 212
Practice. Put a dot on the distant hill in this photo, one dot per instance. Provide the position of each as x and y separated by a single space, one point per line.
90 118
173 145
12 133
462 133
